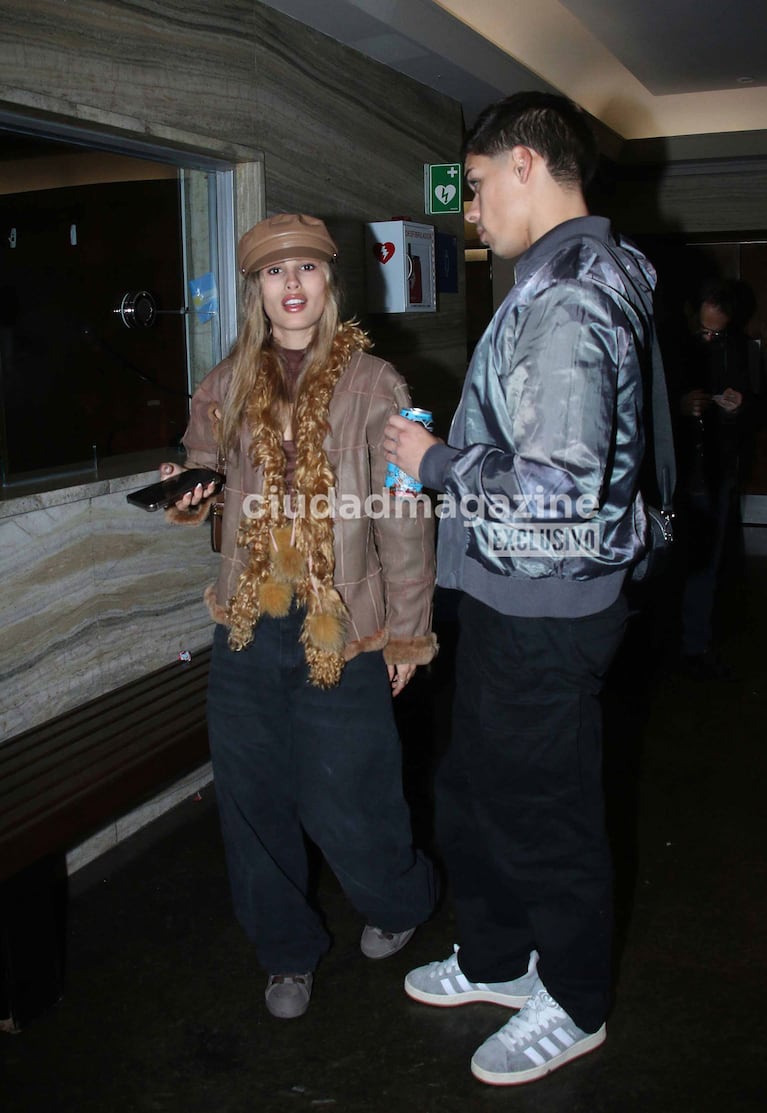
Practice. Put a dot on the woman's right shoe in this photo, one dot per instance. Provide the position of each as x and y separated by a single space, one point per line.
287 995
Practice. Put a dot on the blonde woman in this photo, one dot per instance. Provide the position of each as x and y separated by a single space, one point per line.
321 618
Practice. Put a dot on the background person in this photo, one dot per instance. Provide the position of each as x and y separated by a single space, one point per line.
320 620
550 417
709 367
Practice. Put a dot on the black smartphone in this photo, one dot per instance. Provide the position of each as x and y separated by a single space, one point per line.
159 496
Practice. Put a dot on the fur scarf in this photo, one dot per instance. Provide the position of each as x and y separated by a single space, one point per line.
293 560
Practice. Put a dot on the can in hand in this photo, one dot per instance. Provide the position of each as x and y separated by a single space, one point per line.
399 482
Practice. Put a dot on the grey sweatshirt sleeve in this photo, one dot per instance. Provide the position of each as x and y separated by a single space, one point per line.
436 464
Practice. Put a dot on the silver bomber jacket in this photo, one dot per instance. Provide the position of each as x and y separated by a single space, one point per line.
548 433
384 563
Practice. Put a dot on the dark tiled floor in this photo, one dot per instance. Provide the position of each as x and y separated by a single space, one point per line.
164 1010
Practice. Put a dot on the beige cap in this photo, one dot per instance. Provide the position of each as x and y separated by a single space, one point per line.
284 236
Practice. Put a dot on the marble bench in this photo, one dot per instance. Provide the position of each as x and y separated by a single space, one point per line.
61 781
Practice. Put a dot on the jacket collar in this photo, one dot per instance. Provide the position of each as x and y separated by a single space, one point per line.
597 227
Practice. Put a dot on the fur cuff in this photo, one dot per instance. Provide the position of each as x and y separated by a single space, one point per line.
411 651
369 644
215 610
193 517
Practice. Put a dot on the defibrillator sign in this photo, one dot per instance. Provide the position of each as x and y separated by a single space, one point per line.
442 187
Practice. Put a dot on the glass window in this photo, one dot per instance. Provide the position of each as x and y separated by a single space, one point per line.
116 297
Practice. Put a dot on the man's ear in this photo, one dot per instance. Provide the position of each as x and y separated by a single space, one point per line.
522 161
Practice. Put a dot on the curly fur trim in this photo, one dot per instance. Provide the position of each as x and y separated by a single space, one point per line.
411 651
309 569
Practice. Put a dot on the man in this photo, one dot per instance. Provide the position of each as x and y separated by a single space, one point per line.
709 366
540 521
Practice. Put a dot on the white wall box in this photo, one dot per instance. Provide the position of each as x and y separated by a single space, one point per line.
400 267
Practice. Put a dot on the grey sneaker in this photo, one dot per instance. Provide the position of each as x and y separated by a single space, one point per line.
380 944
445 984
287 995
540 1038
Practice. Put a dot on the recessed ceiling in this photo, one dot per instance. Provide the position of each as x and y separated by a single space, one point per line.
644 68
681 46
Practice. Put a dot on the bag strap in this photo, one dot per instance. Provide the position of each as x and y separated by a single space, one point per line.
660 412
663 439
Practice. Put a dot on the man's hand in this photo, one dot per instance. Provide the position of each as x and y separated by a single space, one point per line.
694 403
406 443
729 400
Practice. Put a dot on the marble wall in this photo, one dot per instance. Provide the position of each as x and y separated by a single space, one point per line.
690 199
95 592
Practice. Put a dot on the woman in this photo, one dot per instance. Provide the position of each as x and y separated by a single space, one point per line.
320 619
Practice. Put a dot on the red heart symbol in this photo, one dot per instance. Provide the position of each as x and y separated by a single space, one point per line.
383 251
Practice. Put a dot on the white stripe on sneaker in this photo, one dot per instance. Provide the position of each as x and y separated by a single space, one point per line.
546 1048
549 1046
534 1056
564 1037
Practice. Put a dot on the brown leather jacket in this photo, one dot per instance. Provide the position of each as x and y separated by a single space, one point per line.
384 562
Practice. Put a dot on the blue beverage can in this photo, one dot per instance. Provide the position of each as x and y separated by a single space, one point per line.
397 480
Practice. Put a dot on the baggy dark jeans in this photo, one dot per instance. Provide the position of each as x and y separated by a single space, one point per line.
291 759
520 804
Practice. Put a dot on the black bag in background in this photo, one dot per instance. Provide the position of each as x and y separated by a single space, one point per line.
660 519
659 445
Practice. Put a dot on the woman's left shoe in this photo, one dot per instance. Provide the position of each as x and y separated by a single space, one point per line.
287 995
380 944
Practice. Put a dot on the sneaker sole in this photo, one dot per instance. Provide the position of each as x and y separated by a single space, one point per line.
516 1078
465 997
293 1015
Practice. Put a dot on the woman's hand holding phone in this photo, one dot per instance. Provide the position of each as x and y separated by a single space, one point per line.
191 498
182 488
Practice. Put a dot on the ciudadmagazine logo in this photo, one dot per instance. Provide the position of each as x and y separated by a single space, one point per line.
521 526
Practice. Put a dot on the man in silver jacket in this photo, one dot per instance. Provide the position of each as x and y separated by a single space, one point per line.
541 519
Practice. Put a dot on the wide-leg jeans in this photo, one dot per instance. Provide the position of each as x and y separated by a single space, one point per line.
291 760
520 802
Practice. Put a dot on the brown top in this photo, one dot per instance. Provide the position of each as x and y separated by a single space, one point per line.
384 554
292 362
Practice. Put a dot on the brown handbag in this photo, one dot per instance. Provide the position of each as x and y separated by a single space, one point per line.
216 518
216 514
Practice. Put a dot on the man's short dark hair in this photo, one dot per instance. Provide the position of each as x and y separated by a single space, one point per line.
717 292
553 126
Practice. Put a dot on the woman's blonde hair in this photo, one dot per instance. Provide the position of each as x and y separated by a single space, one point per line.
255 359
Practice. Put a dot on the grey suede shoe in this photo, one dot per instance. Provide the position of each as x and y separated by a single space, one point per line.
540 1038
444 984
287 995
380 944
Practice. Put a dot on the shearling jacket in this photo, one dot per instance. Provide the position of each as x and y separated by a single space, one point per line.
543 461
384 554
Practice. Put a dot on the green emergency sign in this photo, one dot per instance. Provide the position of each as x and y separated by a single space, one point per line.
442 187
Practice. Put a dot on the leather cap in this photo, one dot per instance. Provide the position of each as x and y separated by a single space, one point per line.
284 236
